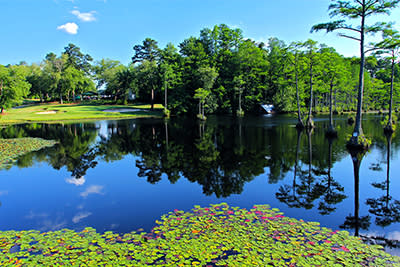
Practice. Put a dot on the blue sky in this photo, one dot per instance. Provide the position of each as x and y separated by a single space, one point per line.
110 28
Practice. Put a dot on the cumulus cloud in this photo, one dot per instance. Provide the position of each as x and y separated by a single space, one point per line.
84 16
70 28
80 216
78 182
93 189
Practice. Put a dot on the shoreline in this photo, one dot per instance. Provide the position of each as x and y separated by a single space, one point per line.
66 113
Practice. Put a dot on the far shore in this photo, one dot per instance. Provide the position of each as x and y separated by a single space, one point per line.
56 113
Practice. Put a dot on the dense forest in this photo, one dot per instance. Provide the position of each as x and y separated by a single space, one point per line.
220 68
221 71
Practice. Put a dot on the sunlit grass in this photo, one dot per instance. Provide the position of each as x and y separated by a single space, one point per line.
75 112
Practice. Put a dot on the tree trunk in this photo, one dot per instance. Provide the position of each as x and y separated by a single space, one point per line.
309 122
165 95
331 129
300 123
152 98
240 102
389 124
2 110
335 100
202 110
357 127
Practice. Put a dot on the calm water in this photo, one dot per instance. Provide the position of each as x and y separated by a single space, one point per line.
123 175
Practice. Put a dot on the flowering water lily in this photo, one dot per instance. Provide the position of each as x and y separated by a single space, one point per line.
212 236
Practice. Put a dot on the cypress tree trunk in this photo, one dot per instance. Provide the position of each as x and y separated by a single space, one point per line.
357 127
165 94
300 124
202 110
389 126
240 102
309 123
331 130
152 98
61 98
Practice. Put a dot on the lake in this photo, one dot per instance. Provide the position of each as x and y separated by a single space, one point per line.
123 175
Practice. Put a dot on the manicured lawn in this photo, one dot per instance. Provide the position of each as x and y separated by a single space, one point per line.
214 236
76 112
11 149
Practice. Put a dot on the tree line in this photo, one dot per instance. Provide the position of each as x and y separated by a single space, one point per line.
220 71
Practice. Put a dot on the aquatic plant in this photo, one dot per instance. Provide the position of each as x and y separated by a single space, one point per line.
11 149
218 235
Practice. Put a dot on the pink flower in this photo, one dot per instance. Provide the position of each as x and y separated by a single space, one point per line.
344 248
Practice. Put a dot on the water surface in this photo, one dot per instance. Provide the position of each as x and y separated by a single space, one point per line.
123 175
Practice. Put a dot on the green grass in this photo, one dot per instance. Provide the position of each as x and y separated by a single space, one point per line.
214 236
75 112
11 149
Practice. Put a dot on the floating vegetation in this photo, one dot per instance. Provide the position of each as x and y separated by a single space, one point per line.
214 236
11 149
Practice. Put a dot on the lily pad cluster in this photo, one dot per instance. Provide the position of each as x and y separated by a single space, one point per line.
11 149
218 235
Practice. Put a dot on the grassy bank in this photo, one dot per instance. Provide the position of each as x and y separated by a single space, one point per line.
214 236
11 149
76 112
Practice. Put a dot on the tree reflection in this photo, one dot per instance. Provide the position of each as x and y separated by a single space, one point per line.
355 221
330 189
304 191
288 194
385 208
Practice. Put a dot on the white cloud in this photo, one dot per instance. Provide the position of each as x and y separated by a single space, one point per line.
3 193
394 235
80 216
69 27
75 181
93 189
84 16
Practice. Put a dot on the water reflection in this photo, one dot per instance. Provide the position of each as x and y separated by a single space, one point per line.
356 221
385 208
243 160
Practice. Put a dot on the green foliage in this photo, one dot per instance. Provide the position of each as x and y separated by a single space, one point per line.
13 85
216 235
167 113
238 73
361 142
385 121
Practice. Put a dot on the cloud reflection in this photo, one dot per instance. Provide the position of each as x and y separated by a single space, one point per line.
80 216
78 182
93 189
